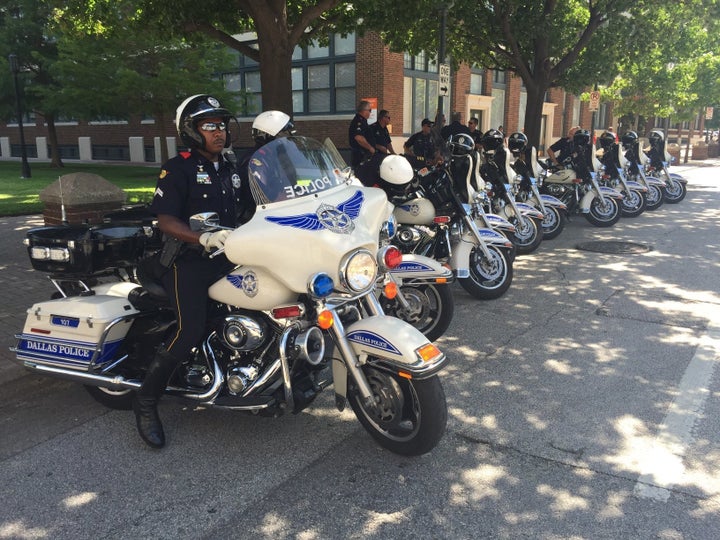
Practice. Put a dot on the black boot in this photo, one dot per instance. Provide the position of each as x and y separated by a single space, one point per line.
146 399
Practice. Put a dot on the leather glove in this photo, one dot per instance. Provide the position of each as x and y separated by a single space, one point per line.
214 240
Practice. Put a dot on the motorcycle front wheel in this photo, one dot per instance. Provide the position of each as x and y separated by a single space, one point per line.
431 307
554 221
489 278
603 214
528 234
408 416
655 197
675 191
633 204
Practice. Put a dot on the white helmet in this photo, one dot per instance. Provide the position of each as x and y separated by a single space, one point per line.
268 124
396 170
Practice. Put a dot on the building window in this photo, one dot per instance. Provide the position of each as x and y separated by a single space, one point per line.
499 78
323 79
497 108
476 81
421 87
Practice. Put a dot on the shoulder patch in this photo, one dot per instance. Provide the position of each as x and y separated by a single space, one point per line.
163 174
185 155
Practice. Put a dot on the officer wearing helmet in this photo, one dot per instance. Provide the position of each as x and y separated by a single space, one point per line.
562 149
197 180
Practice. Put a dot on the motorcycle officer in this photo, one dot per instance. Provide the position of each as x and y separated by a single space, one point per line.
197 180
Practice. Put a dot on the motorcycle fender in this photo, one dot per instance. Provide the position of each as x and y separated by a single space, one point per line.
497 222
655 181
590 195
460 258
529 210
549 200
395 344
421 268
679 178
636 186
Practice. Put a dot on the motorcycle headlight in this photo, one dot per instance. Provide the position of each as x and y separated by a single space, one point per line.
358 271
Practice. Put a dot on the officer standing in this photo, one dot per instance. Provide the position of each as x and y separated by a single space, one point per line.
380 134
197 180
420 145
359 135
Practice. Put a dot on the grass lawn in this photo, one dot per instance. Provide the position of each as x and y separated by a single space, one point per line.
19 196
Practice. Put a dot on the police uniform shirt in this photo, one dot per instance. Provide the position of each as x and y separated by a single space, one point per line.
189 184
358 126
422 145
380 135
563 149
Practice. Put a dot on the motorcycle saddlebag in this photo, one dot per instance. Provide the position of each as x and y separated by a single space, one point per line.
82 250
78 332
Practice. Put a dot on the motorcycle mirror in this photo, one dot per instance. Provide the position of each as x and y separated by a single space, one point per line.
204 220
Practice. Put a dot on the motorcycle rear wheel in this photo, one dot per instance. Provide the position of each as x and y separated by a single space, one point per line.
409 416
431 307
553 223
120 400
603 215
488 279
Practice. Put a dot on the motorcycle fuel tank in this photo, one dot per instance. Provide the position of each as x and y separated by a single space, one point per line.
415 212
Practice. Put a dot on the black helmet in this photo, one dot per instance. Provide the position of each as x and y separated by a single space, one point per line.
196 108
629 138
492 140
517 142
461 144
656 139
607 139
581 137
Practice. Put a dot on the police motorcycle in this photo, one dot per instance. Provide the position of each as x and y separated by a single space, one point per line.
526 188
576 184
612 174
433 221
294 312
498 176
633 162
418 289
659 166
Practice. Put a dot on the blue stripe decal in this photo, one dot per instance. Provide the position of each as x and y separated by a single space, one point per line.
365 337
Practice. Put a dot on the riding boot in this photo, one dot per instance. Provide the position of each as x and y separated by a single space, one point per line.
146 399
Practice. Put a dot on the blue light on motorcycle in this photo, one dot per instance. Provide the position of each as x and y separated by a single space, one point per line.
321 285
389 229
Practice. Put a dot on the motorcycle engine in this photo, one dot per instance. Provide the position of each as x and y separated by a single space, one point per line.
408 237
241 332
556 190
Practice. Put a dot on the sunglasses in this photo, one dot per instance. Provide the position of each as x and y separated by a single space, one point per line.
212 126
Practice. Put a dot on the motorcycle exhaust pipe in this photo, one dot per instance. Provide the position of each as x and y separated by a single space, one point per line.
83 377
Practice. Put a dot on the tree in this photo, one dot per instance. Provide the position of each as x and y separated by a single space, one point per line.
545 43
280 26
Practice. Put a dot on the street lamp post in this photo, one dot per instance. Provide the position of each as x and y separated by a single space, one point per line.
14 68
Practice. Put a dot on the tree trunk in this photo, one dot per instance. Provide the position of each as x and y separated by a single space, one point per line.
55 160
276 71
162 125
533 115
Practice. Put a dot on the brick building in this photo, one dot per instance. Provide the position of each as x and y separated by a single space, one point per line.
327 84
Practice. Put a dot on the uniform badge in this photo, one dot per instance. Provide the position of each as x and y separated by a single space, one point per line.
235 181
213 102
202 176
163 174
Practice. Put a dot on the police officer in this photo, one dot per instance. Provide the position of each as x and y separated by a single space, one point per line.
562 149
420 145
380 134
359 135
197 180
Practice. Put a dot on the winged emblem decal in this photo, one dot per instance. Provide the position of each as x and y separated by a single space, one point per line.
336 219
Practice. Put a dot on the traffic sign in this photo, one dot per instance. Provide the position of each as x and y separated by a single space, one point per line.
444 79
594 100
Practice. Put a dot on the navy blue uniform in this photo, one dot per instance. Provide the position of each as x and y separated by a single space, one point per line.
189 184
358 126
563 149
422 146
379 135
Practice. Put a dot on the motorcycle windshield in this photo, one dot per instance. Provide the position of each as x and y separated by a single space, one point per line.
292 168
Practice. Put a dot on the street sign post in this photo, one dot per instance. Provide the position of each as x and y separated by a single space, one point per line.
594 100
444 86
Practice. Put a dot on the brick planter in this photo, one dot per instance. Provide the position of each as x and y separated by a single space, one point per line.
86 198
700 151
713 150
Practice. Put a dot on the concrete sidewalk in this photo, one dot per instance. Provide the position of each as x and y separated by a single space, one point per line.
20 287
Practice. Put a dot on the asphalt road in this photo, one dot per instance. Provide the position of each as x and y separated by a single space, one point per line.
582 404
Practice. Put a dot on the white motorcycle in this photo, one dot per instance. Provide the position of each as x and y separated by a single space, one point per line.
294 313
